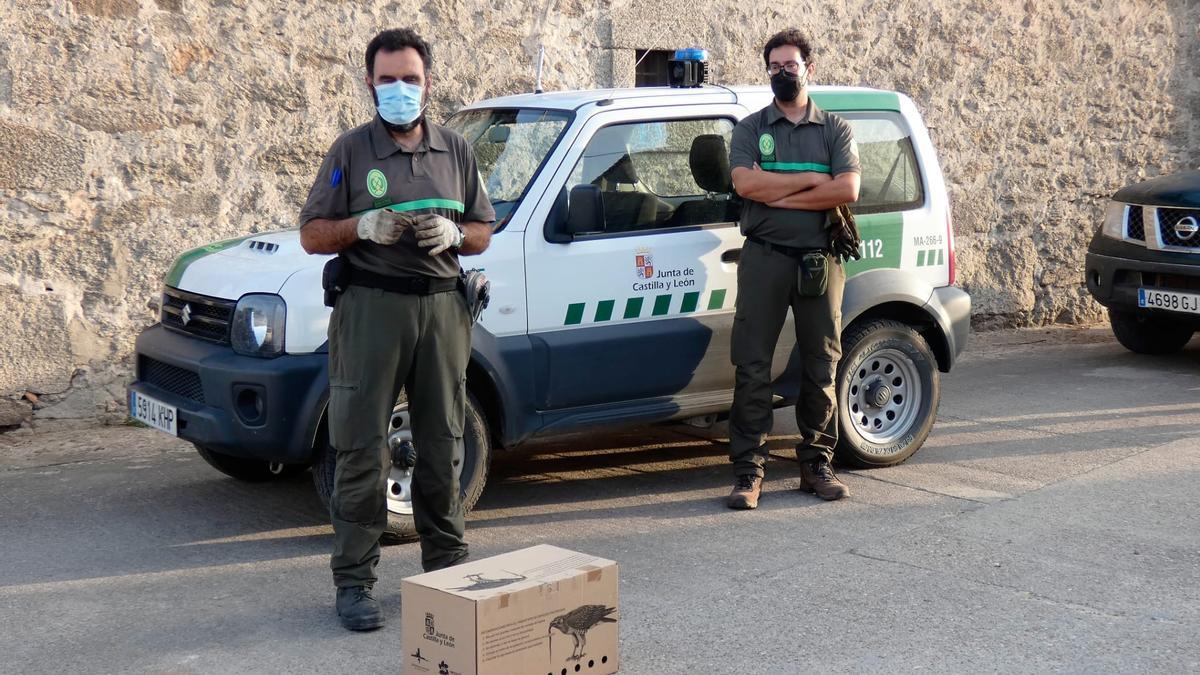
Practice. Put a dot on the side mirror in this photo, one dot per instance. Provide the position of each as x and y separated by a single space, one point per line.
585 210
556 224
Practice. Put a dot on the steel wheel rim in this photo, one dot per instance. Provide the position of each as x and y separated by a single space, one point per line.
884 396
399 482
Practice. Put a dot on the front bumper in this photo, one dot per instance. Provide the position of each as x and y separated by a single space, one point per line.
238 405
1114 271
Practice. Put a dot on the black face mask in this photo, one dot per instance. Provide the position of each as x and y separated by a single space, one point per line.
785 86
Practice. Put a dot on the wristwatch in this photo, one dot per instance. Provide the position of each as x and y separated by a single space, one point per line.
462 236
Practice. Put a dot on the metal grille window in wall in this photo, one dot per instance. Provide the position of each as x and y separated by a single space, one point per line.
651 68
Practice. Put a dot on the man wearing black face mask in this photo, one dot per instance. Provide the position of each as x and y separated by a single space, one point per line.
399 200
792 162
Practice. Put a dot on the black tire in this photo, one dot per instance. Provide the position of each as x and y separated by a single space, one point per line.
249 470
888 390
477 457
1144 334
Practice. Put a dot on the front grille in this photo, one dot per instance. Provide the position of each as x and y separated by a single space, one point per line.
174 379
198 315
1135 227
1168 219
1176 282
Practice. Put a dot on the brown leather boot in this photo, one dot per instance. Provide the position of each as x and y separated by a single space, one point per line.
817 477
745 492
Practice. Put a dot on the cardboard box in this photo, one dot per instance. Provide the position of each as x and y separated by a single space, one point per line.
542 610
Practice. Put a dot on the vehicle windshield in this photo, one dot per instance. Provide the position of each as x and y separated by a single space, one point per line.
510 145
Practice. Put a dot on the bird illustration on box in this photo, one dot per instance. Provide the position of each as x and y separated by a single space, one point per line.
577 623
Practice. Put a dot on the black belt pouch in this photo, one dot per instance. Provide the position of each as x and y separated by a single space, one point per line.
814 274
334 279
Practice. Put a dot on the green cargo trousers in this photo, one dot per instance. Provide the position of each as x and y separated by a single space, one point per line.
380 341
767 286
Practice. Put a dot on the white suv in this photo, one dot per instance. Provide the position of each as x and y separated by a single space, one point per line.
613 273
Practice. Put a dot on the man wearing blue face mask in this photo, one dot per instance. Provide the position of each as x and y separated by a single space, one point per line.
399 200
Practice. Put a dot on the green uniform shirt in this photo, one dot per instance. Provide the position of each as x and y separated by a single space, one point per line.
367 169
820 142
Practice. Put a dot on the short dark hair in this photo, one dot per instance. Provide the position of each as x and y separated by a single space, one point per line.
393 40
792 37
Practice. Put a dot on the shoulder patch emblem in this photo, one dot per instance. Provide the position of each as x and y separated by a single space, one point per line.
336 178
766 144
377 183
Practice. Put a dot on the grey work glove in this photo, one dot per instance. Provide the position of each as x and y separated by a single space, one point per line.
440 233
383 226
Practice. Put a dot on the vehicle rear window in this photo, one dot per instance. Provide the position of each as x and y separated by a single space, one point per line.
891 179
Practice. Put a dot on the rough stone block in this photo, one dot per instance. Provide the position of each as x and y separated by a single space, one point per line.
129 216
108 8
187 55
14 413
33 159
291 159
6 80
112 119
37 349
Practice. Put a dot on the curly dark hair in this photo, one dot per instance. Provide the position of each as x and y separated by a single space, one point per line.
393 40
792 37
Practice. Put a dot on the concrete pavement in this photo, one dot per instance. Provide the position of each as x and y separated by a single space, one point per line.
1049 524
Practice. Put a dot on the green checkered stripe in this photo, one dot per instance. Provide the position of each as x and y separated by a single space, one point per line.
643 306
931 257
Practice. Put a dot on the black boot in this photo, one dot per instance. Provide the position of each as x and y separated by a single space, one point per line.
359 609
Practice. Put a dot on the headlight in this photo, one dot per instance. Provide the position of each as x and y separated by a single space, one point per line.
258 324
1114 220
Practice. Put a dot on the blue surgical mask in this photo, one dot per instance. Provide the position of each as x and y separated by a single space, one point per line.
399 103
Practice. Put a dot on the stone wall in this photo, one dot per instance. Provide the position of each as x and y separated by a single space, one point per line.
131 130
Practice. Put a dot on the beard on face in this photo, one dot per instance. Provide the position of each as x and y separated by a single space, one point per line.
401 128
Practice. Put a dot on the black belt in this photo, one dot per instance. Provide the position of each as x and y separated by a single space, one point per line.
417 285
790 251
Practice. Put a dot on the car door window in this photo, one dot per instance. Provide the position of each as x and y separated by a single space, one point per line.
660 174
891 179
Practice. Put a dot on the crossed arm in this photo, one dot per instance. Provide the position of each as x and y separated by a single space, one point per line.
806 190
331 236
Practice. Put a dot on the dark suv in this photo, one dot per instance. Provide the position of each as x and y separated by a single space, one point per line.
1144 263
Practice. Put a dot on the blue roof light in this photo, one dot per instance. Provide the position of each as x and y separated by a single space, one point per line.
691 54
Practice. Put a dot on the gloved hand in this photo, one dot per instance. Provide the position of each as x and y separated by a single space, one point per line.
438 232
383 226
844 239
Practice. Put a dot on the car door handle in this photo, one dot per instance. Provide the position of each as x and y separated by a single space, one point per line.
732 255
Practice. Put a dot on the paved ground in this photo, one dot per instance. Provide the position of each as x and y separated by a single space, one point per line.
1050 524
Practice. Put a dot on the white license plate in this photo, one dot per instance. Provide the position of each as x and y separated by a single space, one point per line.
152 412
1172 300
